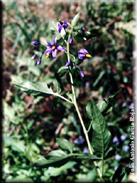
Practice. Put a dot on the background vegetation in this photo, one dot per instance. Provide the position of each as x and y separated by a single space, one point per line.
30 125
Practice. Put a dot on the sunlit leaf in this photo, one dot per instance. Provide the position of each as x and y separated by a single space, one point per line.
75 20
100 135
35 88
65 144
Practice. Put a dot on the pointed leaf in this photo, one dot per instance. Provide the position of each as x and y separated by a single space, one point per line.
56 161
54 26
75 20
65 144
100 135
58 153
86 157
105 106
35 88
62 70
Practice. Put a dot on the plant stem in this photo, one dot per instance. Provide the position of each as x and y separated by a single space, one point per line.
79 115
84 129
63 98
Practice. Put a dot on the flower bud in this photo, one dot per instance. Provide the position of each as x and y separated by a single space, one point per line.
33 56
38 62
70 40
82 74
82 28
68 64
35 42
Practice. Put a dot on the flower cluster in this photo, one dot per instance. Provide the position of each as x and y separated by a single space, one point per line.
52 48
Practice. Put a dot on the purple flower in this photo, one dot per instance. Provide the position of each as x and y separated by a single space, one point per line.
85 150
68 64
62 24
38 62
124 104
115 168
82 29
131 106
70 40
82 74
126 148
35 42
115 140
118 157
79 141
83 53
53 48
123 137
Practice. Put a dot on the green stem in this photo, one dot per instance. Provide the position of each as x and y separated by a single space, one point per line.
63 98
79 115
84 129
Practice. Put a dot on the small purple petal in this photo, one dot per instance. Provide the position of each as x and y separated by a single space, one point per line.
54 53
68 64
82 74
59 28
131 106
124 104
33 56
123 137
85 150
60 48
35 42
83 51
65 24
82 28
49 50
126 148
70 40
49 44
115 139
81 139
118 157
38 62
81 56
55 41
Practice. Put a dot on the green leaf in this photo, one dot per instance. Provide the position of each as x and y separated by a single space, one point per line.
57 171
75 20
86 157
35 88
56 161
54 26
58 153
105 106
16 144
62 70
100 135
65 144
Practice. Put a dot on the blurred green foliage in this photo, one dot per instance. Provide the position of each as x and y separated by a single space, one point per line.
31 124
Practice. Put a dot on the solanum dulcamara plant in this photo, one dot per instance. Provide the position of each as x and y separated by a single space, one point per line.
99 143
